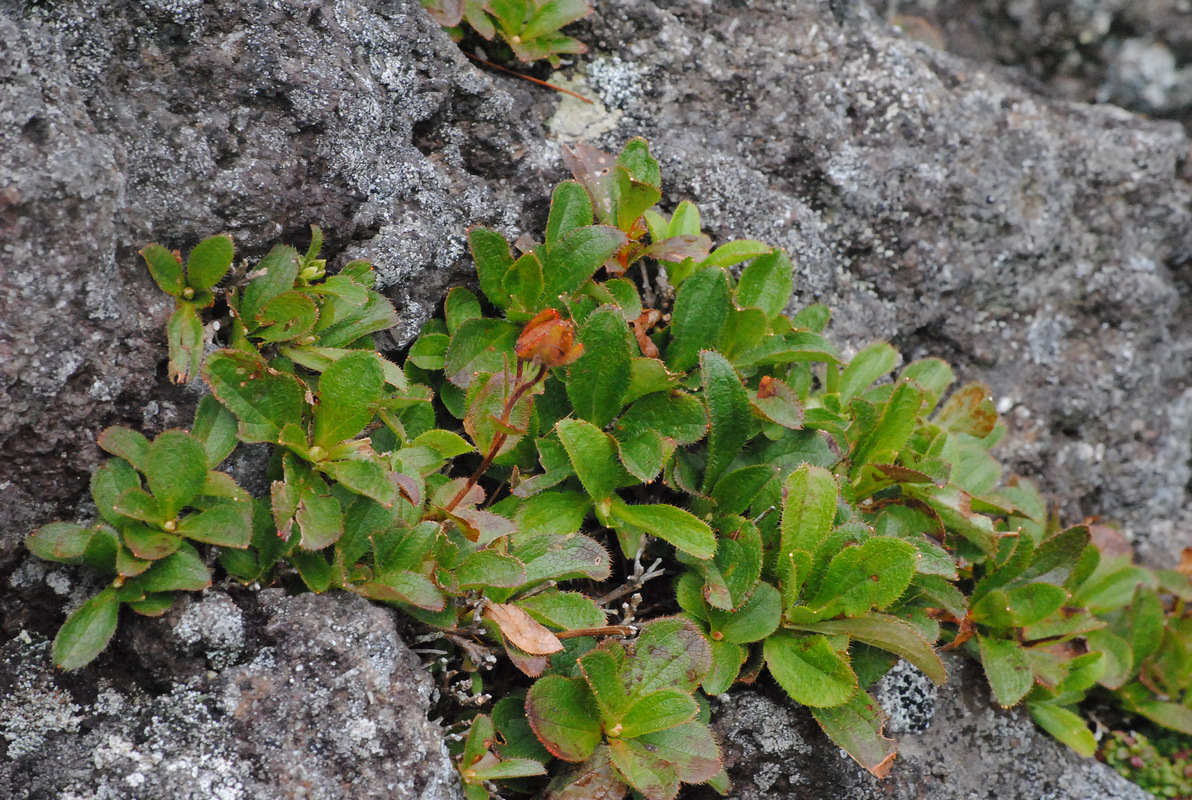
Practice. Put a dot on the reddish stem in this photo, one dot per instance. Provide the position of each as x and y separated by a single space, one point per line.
499 440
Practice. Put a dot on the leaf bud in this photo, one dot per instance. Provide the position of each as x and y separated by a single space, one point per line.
549 341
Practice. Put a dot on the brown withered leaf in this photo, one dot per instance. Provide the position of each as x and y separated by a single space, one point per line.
969 410
1185 566
520 628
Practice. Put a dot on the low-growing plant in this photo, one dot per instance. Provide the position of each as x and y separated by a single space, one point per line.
1163 766
530 28
821 517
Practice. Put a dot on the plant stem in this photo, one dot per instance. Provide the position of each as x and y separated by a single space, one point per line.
499 440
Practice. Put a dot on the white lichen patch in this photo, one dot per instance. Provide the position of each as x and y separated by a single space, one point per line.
575 120
35 709
216 626
908 697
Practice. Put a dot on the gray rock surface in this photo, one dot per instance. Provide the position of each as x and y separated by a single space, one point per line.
971 750
123 123
327 703
1040 245
1134 53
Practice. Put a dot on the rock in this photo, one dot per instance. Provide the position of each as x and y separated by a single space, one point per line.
328 704
970 749
1134 53
127 123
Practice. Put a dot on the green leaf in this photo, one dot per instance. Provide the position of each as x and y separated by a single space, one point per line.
658 710
552 15
739 562
376 315
598 381
552 557
1065 725
570 208
566 610
789 348
349 393
364 477
403 586
166 269
677 416
286 317
670 651
727 659
111 480
489 568
882 443
779 403
523 283
314 570
558 710
552 512
642 454
604 670
892 635
215 428
128 444
867 366
933 375
139 504
698 319
728 411
736 251
263 399
575 257
154 605
1035 602
148 543
184 333
176 470
277 272
736 491
1009 673
755 620
873 573
184 570
209 261
491 253
671 524
648 376
480 346
1110 589
64 542
856 726
459 307
767 283
809 670
593 454
1117 655
430 351
87 631
688 750
1170 715
808 509
225 525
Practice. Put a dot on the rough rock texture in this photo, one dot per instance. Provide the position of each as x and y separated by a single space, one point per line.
123 123
956 746
1134 53
327 702
1040 245
971 750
